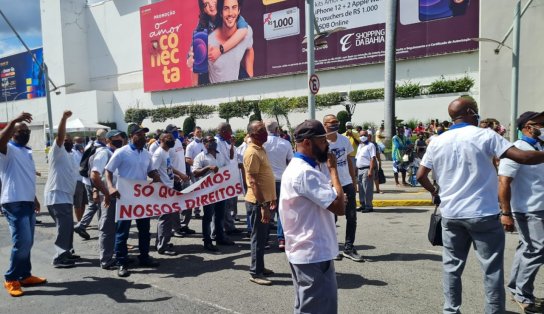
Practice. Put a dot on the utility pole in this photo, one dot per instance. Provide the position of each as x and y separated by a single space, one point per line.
310 53
515 73
390 68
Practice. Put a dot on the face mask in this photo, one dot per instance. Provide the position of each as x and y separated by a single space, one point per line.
22 138
198 139
321 156
68 146
139 143
212 146
333 127
117 143
171 144
227 137
175 134
364 139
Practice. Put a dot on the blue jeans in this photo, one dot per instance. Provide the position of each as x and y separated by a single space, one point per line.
21 219
209 210
121 236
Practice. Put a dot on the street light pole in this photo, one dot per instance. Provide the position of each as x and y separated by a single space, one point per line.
310 53
390 68
515 73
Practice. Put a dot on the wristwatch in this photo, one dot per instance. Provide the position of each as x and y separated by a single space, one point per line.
507 214
221 49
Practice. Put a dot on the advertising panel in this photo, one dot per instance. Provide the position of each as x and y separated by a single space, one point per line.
21 77
198 42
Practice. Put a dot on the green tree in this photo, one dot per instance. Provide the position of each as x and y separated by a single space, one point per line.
189 125
343 117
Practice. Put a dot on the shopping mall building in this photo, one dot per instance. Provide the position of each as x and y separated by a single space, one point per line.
116 54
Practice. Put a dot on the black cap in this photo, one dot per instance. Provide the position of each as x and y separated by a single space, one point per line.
170 128
133 128
526 116
309 129
113 133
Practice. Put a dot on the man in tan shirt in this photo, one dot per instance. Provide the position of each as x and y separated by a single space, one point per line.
260 199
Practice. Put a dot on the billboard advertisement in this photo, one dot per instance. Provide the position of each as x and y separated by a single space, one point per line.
21 77
198 42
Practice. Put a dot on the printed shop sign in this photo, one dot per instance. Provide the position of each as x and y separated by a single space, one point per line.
140 199
181 41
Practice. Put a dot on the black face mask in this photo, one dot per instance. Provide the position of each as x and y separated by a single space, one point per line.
68 146
22 138
321 156
171 144
212 146
117 143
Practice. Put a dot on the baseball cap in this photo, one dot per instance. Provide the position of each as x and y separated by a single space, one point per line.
309 129
133 128
113 133
170 128
526 116
101 133
349 124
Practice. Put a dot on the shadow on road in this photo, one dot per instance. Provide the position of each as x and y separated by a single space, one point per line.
354 281
95 286
404 257
399 210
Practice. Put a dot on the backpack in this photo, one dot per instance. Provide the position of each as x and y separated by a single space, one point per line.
84 164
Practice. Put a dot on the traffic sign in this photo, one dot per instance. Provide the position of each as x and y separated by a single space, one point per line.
314 84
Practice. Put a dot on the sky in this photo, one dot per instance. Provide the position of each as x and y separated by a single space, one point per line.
24 15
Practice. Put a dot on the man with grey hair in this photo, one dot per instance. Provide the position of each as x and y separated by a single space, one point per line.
279 153
93 206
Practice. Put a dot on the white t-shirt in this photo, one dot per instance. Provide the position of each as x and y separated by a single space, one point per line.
279 153
462 160
154 146
227 66
130 162
99 161
18 175
77 155
87 180
223 147
309 229
162 161
204 159
61 181
527 186
365 153
342 148
194 148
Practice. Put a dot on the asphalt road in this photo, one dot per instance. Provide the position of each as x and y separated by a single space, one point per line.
402 274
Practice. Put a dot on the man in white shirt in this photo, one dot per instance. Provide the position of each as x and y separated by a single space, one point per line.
19 202
366 163
59 194
309 202
462 162
205 163
80 195
279 153
163 161
93 207
521 192
194 148
341 147
132 161
106 223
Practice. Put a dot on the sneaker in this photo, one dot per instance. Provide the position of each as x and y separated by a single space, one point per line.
339 257
82 233
167 251
268 272
123 271
210 247
178 234
353 255
32 281
198 216
63 262
281 245
225 242
260 280
367 210
529 308
14 288
233 231
73 256
187 230
148 262
109 265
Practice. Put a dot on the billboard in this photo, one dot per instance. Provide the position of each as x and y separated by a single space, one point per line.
21 77
198 42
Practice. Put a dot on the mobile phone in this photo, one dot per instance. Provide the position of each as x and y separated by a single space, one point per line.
439 9
200 51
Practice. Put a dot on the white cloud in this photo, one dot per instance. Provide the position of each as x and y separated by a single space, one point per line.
25 18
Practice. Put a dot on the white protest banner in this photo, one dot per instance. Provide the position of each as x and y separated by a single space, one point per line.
141 199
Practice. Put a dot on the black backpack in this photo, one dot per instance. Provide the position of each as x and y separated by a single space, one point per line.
84 164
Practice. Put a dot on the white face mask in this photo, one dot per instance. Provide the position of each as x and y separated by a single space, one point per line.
364 139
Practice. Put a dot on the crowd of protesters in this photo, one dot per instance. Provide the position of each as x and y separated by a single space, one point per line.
296 185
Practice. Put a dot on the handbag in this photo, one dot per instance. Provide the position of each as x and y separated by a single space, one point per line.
435 228
381 176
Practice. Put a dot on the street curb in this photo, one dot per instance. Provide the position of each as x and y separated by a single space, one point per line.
393 203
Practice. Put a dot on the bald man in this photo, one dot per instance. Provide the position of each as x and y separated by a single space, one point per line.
461 160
